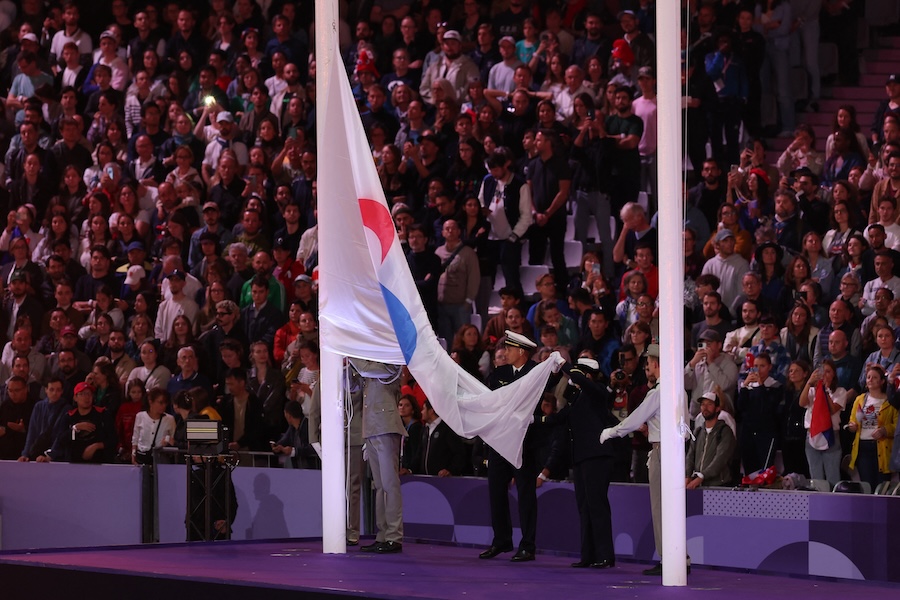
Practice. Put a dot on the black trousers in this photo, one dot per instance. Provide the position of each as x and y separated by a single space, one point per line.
755 449
592 477
508 255
553 234
500 472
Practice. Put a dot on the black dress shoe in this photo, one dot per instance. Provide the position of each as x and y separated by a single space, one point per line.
581 564
657 570
373 547
389 548
522 556
493 551
353 542
603 564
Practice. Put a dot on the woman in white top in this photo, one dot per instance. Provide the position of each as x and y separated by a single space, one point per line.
153 372
835 241
824 464
153 428
129 204
301 389
18 224
846 117
59 229
820 262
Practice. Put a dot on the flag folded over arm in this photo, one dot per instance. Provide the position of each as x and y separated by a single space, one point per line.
369 305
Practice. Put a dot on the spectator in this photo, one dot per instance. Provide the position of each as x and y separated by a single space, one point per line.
727 266
152 372
458 282
593 43
711 370
15 417
709 194
708 460
726 68
885 278
823 385
242 413
728 219
501 74
453 66
602 343
757 414
441 451
44 422
261 318
294 442
87 434
874 421
626 128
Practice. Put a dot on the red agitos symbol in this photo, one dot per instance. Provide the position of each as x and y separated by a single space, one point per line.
376 217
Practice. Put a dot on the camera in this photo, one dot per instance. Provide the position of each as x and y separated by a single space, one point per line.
618 379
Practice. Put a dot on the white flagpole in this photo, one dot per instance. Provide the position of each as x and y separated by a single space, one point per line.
334 496
671 303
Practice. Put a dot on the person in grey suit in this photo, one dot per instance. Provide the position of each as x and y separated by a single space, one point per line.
353 439
382 430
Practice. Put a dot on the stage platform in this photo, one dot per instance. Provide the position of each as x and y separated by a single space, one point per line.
298 569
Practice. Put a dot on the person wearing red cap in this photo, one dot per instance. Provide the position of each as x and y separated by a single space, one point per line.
87 434
366 75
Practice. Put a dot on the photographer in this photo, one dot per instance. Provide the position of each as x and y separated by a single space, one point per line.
622 383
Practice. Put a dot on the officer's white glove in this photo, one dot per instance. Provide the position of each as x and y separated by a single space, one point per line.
558 361
606 434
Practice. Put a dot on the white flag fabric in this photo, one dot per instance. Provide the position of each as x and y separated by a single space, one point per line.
369 305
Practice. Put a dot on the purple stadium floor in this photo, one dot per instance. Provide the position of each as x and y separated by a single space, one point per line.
297 568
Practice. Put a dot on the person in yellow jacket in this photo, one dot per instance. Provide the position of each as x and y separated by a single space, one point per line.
873 420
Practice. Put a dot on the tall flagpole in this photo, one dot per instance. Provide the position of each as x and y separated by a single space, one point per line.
671 303
334 495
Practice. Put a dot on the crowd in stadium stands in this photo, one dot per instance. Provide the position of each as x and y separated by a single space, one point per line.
159 185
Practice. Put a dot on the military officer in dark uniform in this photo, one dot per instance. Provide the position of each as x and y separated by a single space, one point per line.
588 413
500 471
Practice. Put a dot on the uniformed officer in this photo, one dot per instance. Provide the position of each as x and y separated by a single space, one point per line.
500 471
648 412
588 414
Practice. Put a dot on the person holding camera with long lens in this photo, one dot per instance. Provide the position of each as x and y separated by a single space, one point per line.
622 382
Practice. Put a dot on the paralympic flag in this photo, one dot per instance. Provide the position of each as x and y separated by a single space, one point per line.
821 433
368 302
